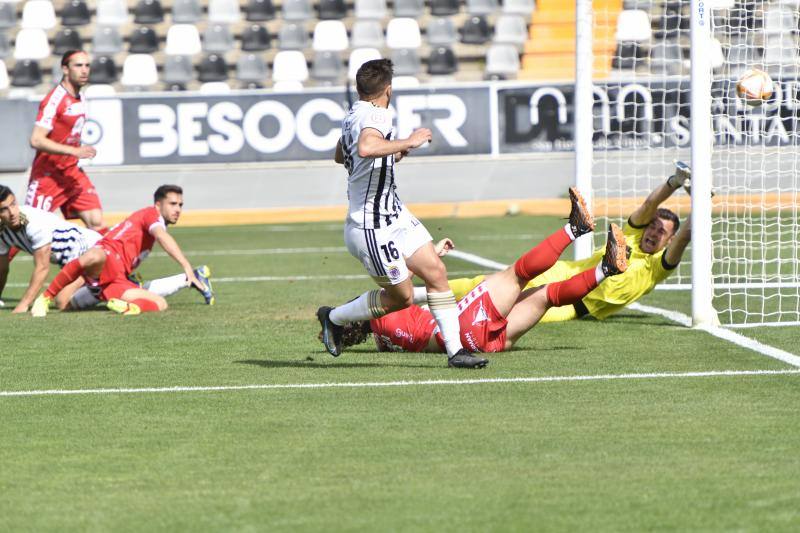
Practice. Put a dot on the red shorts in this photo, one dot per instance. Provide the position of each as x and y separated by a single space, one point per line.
483 328
70 189
113 280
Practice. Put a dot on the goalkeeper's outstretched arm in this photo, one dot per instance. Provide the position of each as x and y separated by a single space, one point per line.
645 213
674 252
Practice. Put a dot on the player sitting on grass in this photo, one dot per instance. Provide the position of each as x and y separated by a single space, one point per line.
106 267
499 310
656 245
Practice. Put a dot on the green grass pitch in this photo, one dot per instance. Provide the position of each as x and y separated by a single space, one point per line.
705 453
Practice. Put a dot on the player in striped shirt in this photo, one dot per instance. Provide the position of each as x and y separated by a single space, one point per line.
47 237
379 231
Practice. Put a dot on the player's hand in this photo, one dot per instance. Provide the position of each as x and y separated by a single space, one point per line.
85 152
443 247
400 155
194 282
683 172
419 137
19 309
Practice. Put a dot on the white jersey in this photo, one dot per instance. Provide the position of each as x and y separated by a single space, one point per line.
371 188
67 240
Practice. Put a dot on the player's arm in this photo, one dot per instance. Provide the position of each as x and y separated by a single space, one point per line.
170 246
3 275
338 157
41 268
674 252
646 212
372 144
40 141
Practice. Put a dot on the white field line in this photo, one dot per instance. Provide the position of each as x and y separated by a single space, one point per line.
254 251
423 383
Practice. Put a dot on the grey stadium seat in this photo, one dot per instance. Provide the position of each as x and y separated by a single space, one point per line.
511 29
442 31
217 38
252 69
367 34
8 15
481 7
297 10
327 66
409 8
178 70
292 36
406 62
106 41
186 11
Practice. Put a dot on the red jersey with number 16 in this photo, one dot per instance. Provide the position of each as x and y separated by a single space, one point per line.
132 239
63 115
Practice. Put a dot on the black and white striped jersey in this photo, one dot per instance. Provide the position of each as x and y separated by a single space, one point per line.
371 188
67 240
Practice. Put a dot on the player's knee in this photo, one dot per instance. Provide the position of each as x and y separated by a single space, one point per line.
162 304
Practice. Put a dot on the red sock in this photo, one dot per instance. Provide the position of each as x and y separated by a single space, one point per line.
542 256
573 289
71 271
12 252
147 306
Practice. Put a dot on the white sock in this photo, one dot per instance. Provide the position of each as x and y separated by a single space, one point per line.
444 310
598 273
568 229
167 286
420 295
365 307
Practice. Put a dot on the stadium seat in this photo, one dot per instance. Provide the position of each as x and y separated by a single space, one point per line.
441 31
26 73
38 14
405 82
666 58
403 32
443 8
289 70
409 8
481 7
178 71
442 62
148 12
252 70
370 9
510 29
627 56
183 40
4 81
715 51
260 10
297 10
186 11
406 62
98 90
143 41
502 60
66 39
668 26
475 30
224 11
212 68
111 13
8 16
327 67
330 35
779 20
31 43
218 39
106 40
367 34
332 9
75 13
519 7
292 36
139 70
255 38
5 45
633 25
358 57
215 87
103 70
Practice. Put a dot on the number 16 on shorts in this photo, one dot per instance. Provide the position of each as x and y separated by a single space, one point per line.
382 258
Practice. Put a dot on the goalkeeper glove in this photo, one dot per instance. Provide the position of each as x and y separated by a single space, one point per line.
683 172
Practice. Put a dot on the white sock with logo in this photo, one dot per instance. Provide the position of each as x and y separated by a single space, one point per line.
444 311
365 307
167 286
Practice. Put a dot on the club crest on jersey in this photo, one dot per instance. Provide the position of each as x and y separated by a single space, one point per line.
480 315
378 117
393 272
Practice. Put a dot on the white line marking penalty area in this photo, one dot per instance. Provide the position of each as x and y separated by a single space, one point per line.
380 384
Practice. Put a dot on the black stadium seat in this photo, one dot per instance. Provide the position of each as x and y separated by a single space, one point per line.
260 10
332 9
475 30
66 39
75 13
148 12
443 8
104 70
255 38
143 41
212 68
26 73
442 62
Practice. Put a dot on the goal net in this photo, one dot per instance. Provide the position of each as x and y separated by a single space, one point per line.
641 125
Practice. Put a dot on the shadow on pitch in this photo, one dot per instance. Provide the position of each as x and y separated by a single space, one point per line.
312 363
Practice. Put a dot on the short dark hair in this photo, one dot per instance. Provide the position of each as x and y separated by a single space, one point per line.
5 192
666 214
164 190
373 77
68 55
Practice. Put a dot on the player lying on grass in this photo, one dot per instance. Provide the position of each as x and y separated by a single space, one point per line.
656 244
107 266
46 236
500 310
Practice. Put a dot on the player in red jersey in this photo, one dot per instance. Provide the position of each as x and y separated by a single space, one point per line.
107 266
496 313
56 181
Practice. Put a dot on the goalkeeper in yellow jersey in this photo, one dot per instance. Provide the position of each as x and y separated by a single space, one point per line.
657 242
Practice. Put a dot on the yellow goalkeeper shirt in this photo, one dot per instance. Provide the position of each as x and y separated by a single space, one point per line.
644 272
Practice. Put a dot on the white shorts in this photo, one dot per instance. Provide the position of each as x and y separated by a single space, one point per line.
383 251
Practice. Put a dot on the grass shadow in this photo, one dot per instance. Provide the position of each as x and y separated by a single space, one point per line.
269 363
